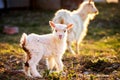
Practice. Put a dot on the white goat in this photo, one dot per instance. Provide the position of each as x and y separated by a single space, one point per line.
50 46
80 19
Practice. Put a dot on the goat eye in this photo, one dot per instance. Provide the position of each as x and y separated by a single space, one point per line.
64 30
55 30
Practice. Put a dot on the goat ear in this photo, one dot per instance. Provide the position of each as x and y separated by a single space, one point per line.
89 1
52 24
69 26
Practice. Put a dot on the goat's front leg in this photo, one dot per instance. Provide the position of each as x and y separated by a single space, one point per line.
50 63
70 48
59 63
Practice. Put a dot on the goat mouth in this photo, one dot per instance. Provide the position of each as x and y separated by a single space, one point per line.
60 37
96 12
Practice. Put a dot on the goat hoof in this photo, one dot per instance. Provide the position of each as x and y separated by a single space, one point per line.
37 76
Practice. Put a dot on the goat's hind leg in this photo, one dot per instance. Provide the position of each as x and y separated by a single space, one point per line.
26 66
33 65
27 69
70 48
77 47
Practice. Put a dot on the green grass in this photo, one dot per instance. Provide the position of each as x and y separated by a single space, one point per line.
99 57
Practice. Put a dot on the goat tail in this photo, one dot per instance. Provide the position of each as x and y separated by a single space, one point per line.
62 16
23 40
62 21
27 56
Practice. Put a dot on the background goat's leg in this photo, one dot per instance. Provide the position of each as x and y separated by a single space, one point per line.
69 47
77 47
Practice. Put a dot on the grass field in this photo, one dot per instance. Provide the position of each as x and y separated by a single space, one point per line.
99 57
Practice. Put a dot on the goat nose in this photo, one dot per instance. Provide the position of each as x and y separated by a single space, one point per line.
60 36
96 12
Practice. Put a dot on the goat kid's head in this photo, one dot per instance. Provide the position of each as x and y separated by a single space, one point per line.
90 7
60 30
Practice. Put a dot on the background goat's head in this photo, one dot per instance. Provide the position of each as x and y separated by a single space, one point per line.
60 30
89 7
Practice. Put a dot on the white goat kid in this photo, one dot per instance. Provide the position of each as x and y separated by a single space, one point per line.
51 46
80 19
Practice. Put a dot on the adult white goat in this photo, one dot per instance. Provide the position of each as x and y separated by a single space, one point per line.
80 19
51 46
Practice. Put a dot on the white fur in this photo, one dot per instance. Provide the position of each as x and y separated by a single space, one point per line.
50 46
80 19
